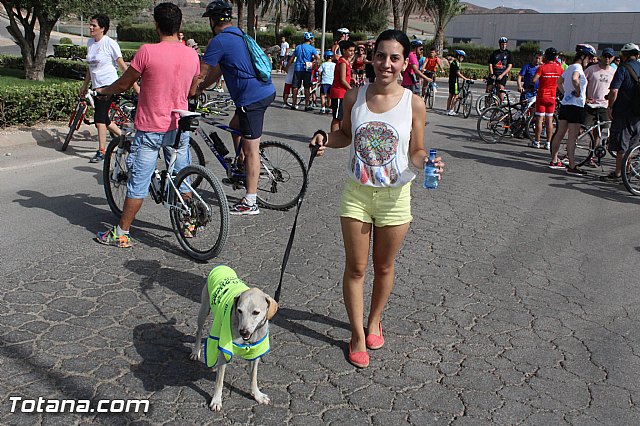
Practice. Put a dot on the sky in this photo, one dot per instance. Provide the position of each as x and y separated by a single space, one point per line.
566 6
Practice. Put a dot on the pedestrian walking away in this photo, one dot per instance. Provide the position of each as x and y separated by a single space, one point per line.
227 55
384 129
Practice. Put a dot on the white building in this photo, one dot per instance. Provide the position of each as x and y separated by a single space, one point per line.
560 30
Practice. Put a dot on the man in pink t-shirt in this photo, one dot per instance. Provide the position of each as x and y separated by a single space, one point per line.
412 75
169 71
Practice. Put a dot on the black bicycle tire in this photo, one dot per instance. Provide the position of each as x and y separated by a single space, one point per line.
468 105
106 174
196 151
77 116
531 133
223 216
486 119
581 147
626 175
263 202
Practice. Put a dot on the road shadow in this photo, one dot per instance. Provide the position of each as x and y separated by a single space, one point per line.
82 141
289 136
189 286
165 362
591 185
81 209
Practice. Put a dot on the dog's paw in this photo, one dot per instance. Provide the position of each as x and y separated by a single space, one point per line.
196 354
261 398
216 404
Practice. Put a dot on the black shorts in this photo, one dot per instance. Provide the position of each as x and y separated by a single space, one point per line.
454 89
101 109
301 79
625 131
336 108
594 115
494 80
572 113
251 117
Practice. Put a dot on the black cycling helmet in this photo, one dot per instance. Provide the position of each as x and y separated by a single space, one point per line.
219 10
550 54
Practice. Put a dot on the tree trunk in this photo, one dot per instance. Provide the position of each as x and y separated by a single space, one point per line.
438 39
405 21
240 14
311 15
395 7
251 17
277 28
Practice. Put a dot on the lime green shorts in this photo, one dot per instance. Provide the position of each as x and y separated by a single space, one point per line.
379 206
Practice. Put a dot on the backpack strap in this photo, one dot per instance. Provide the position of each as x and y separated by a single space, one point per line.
255 74
631 72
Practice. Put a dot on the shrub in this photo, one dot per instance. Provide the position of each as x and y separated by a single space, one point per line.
147 33
69 51
29 105
66 40
56 67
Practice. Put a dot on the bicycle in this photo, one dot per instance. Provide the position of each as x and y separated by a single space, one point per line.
430 94
466 99
194 197
283 175
586 144
495 123
631 169
121 111
490 98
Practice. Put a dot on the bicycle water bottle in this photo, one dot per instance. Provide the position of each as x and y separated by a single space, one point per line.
430 174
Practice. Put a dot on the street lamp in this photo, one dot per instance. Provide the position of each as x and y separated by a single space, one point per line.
324 25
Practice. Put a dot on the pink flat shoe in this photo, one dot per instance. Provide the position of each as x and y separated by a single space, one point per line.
375 342
359 359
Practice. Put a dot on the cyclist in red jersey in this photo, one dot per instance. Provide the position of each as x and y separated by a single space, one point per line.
341 82
358 63
547 75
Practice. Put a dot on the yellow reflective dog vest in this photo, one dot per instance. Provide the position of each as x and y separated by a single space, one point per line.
224 285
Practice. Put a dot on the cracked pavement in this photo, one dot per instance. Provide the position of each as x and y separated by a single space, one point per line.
515 300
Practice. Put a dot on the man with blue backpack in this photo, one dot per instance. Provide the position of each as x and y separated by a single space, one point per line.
236 57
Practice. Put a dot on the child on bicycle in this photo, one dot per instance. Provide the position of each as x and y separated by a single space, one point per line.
454 77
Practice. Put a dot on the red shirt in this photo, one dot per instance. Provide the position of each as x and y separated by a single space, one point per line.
337 89
548 80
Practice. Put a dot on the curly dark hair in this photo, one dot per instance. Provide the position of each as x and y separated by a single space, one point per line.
169 18
103 21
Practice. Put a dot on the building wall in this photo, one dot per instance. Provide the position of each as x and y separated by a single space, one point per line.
560 30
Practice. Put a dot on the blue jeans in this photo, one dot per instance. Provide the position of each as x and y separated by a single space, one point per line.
141 162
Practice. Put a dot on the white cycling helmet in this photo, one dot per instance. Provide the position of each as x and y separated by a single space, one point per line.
343 31
630 48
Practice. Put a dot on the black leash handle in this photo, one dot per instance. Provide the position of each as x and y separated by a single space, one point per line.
287 251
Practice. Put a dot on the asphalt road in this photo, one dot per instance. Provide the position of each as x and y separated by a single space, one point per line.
515 301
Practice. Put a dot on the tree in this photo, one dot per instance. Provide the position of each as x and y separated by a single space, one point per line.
31 23
396 8
443 11
277 6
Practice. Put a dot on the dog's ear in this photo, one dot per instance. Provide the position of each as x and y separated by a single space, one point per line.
272 307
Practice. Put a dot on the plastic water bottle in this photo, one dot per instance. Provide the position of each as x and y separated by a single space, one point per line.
430 175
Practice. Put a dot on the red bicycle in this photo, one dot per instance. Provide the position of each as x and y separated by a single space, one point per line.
121 112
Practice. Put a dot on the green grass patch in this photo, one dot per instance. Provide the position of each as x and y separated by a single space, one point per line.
131 44
485 67
15 78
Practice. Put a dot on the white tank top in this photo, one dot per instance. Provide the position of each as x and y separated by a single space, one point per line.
380 145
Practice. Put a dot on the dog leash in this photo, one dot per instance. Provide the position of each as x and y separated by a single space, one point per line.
287 251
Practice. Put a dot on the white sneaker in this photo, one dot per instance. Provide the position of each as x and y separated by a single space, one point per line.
322 110
547 146
452 113
535 145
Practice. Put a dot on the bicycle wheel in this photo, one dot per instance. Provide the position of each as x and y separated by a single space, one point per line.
283 176
201 219
74 123
585 144
467 105
631 170
197 158
115 173
531 128
431 97
493 124
486 101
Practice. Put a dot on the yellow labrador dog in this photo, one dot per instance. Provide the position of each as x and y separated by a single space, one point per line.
240 327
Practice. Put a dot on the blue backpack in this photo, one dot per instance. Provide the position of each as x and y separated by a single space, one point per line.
260 61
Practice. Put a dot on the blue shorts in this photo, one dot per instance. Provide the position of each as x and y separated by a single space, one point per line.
141 162
325 89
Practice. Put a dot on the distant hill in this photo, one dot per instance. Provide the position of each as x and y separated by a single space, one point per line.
473 9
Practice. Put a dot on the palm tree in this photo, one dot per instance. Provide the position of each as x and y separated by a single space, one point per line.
311 15
240 13
443 11
277 6
396 8
408 7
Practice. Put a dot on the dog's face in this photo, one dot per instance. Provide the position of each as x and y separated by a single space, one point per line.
253 308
